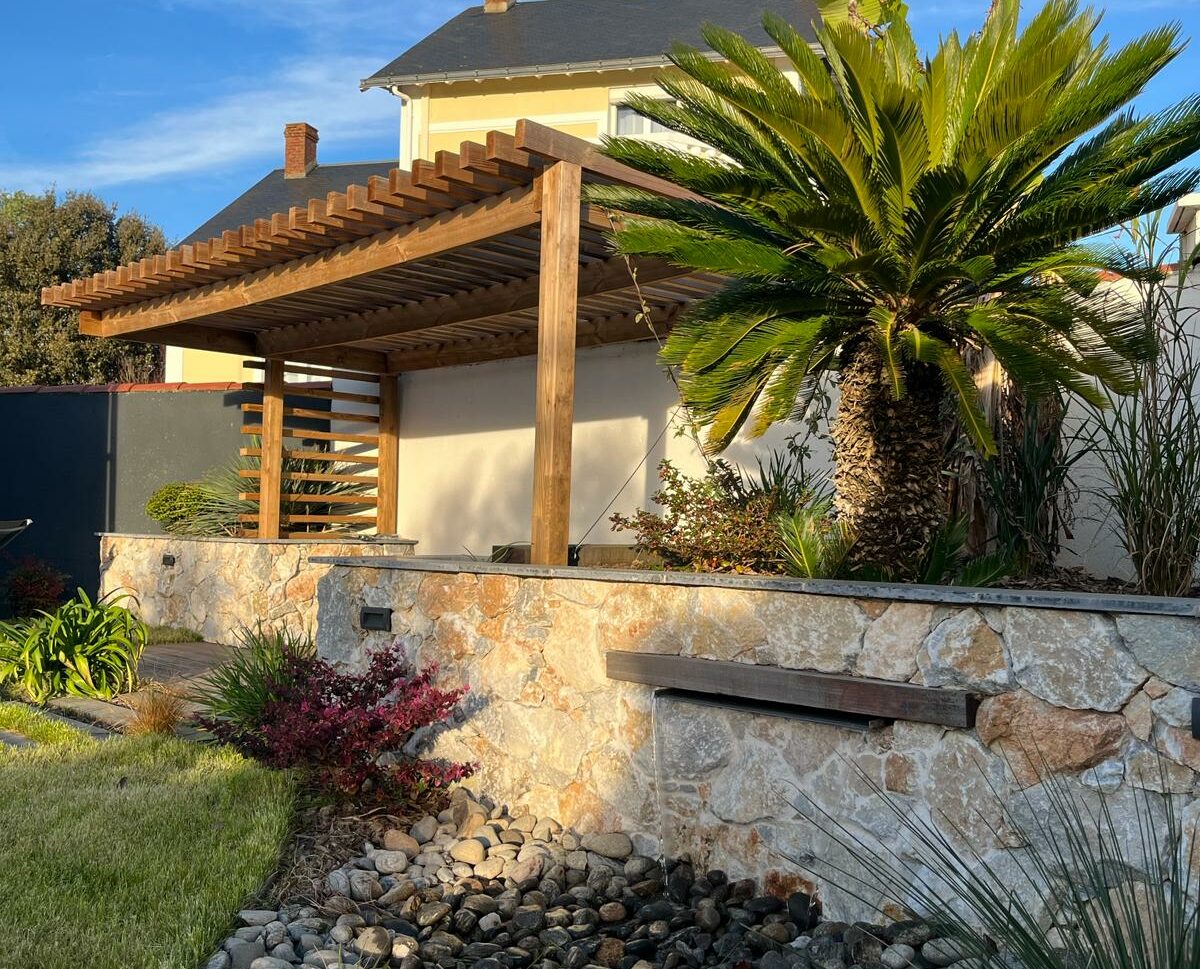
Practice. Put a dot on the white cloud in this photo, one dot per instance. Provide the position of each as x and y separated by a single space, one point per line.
339 42
241 125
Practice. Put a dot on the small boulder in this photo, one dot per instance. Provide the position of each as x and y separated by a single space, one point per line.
616 845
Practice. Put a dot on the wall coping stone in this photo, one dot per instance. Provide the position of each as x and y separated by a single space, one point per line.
364 540
892 591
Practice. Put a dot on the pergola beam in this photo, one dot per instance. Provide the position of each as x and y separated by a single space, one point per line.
610 275
495 216
625 328
561 186
197 337
547 143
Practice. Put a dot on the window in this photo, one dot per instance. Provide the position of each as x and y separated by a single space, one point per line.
631 124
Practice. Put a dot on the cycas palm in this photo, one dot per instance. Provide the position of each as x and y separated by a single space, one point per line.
892 211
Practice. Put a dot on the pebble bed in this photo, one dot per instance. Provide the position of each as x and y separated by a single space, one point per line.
476 888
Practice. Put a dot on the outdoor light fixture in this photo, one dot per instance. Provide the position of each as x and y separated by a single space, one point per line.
376 618
168 561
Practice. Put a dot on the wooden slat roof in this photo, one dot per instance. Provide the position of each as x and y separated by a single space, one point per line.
433 267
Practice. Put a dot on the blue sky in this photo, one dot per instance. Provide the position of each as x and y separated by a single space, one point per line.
174 107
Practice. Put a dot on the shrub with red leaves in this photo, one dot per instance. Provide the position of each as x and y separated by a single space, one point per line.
337 727
33 586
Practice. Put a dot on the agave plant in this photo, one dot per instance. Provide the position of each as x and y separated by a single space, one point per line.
889 213
83 648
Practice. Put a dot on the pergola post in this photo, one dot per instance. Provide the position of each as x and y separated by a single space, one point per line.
388 489
557 323
271 463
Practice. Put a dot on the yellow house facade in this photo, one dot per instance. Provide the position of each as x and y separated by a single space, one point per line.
568 64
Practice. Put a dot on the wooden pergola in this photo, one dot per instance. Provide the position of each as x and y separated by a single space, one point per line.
485 254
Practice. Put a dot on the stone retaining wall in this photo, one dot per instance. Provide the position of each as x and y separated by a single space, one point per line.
1096 692
217 585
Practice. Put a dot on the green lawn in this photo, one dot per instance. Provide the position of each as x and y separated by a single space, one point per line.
130 853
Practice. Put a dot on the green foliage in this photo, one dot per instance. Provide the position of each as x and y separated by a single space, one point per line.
238 691
45 240
1122 894
84 648
1028 484
1149 441
894 214
922 205
158 635
214 505
815 545
175 506
726 520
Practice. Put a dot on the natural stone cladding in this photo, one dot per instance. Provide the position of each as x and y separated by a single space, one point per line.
215 586
1087 695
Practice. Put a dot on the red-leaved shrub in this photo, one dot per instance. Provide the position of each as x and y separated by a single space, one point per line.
348 731
34 586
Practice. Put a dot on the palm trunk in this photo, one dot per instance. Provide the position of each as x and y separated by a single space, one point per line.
888 454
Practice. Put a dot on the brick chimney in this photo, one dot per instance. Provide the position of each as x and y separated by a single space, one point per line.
300 149
497 6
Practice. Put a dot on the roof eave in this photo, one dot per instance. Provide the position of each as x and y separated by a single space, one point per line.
534 70
1183 218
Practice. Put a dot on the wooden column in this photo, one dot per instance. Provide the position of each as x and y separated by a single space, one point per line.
271 462
389 454
557 321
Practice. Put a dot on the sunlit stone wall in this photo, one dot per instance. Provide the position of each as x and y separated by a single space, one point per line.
1094 691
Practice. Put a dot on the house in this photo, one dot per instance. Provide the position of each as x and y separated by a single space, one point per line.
467 426
562 63
570 65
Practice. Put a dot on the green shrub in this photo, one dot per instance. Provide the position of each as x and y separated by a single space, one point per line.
215 504
816 545
1148 441
238 691
175 506
84 648
160 635
726 521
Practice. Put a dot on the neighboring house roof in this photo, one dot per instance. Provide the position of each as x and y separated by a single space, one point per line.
554 36
274 193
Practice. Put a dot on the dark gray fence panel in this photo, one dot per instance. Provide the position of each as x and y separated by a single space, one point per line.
82 461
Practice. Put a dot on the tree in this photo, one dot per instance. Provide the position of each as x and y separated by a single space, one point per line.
893 212
43 241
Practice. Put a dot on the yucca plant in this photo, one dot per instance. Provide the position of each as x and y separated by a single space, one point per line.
1086 890
83 648
891 212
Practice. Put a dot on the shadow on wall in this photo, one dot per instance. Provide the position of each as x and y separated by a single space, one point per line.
467 442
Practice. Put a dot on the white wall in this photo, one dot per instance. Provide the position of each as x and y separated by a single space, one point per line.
466 448
466 454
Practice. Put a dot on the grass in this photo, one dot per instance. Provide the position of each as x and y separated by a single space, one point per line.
139 850
161 635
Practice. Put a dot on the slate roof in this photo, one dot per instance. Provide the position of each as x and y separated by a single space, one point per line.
274 193
550 36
